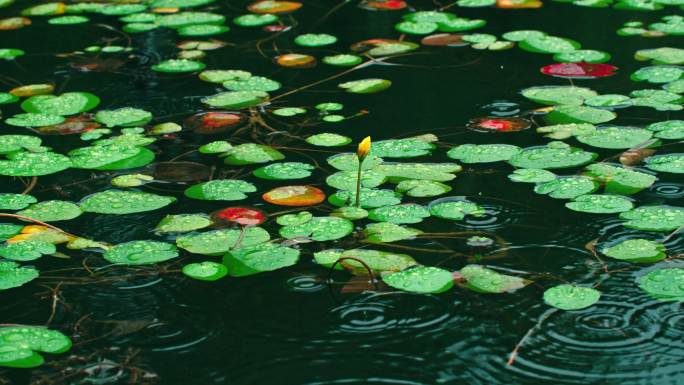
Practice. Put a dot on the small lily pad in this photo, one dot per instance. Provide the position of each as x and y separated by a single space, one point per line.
615 137
654 218
205 271
294 219
664 284
366 86
570 297
552 156
178 66
12 275
672 163
123 117
315 40
51 211
421 279
259 259
221 190
15 201
328 140
389 232
26 250
34 164
236 99
484 280
404 213
250 153
454 209
531 175
124 202
600 204
370 198
218 242
182 223
21 345
319 229
619 180
637 250
284 171
422 188
483 153
567 187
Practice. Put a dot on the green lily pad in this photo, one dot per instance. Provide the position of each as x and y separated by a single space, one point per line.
549 44
455 210
351 213
567 187
182 223
8 230
216 147
582 55
484 280
252 84
259 259
110 157
378 261
520 35
327 139
141 253
284 171
319 229
636 250
663 55
51 211
68 103
289 111
250 153
618 180
182 19
221 190
616 137
600 204
654 218
366 86
609 101
422 188
26 250
559 95
123 117
350 162
658 74
34 120
347 180
315 40
401 148
342 60
205 271
15 201
124 202
294 219
664 284
570 297
12 275
220 76
33 164
531 175
421 279
483 153
370 198
14 143
564 131
579 114
416 28
672 163
440 172
554 155
252 20
131 180
404 213
218 242
669 129
460 24
178 66
236 99
21 345
10 54
389 232
6 98
202 30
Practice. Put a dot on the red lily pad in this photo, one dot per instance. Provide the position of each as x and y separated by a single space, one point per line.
96 64
383 5
72 125
276 28
444 40
240 215
180 172
492 124
579 70
295 196
295 60
274 7
214 122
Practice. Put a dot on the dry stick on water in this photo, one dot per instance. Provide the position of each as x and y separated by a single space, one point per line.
514 352
38 222
55 300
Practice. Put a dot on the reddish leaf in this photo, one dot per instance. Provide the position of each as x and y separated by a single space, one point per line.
72 125
180 171
579 70
214 122
240 215
295 196
296 60
490 124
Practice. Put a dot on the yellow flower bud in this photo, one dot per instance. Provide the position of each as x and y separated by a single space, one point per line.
364 148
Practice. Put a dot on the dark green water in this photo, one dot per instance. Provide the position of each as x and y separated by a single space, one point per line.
289 327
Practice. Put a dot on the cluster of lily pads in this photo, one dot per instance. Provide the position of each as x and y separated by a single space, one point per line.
672 25
396 193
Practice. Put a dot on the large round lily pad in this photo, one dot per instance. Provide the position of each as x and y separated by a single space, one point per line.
284 171
217 242
124 202
664 284
654 218
26 250
34 164
319 229
567 187
15 201
259 259
673 163
221 190
554 155
600 204
50 211
68 103
615 137
636 250
421 279
483 153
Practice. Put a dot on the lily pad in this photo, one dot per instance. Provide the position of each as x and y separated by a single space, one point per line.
562 95
284 171
421 279
378 261
221 190
483 153
616 137
567 187
618 180
123 117
236 99
319 229
12 275
21 345
294 196
600 204
579 114
350 162
454 209
294 219
389 232
328 140
404 213
637 250
259 259
252 84
484 280
26 250
250 153
315 40
440 172
664 284
33 164
663 55
15 201
218 242
178 66
347 180
531 175
205 271
554 155
124 202
69 103
669 129
141 253
34 120
51 211
366 86
422 188
370 198
672 163
654 218
570 297
182 223
401 148
564 131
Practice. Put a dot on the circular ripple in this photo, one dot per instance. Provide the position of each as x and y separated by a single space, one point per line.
668 190
306 284
502 108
